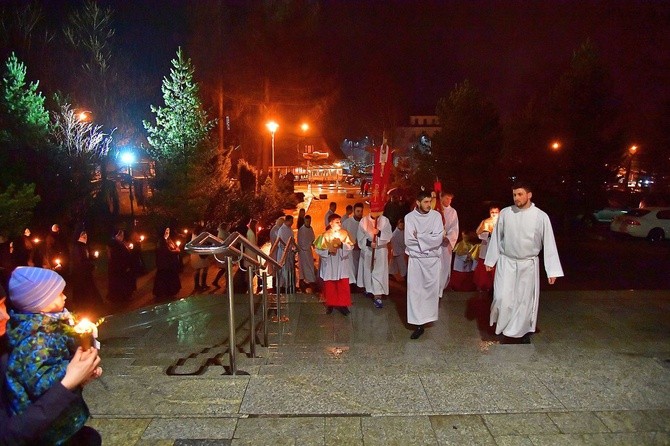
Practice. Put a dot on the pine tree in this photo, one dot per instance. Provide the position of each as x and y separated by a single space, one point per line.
22 113
181 125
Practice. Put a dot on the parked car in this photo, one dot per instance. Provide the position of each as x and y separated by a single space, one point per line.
652 223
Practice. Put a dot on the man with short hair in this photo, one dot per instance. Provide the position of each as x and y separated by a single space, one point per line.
351 226
521 232
374 234
451 231
347 213
331 210
424 234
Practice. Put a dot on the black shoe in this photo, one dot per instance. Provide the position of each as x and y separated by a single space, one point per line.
417 332
525 339
344 310
329 310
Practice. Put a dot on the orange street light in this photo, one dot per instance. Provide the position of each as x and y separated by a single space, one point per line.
632 150
272 127
304 127
84 116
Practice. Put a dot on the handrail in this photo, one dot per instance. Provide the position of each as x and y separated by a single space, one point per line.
235 248
208 244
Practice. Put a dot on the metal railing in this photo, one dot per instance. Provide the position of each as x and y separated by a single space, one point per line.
235 249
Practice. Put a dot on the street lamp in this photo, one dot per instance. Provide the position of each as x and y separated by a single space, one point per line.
632 150
272 127
128 158
84 116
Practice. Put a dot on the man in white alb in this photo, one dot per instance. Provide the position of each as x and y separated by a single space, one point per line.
332 207
451 231
424 234
351 226
521 232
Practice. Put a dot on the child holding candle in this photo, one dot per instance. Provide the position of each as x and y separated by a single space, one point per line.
334 247
42 342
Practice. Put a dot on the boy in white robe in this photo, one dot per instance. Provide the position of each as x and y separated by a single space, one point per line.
519 235
334 247
374 234
424 234
305 257
398 258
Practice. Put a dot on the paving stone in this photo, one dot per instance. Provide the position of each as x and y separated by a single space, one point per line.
201 428
578 422
461 429
519 424
397 431
118 431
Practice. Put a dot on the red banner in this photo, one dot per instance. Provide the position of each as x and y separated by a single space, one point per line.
381 174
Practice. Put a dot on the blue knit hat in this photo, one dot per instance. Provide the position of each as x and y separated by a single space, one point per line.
32 289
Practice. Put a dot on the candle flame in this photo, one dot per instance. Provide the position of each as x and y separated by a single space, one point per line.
141 238
96 254
86 326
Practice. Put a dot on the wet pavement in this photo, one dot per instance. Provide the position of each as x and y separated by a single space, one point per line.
598 372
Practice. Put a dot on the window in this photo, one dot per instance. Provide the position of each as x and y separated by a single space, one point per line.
663 214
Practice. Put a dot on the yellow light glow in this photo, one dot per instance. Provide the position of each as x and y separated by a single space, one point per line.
272 126
141 238
96 254
632 150
556 145
304 126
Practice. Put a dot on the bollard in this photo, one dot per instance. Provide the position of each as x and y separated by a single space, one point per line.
265 308
231 317
252 315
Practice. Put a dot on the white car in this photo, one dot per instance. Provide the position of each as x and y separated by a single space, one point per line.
652 223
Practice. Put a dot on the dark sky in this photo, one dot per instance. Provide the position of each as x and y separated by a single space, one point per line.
511 50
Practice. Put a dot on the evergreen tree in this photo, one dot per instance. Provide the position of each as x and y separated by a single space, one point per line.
189 171
181 124
22 113
470 139
17 204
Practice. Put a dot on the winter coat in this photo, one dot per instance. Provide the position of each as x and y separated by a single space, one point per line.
42 346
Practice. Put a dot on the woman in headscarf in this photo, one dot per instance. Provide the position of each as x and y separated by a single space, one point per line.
166 283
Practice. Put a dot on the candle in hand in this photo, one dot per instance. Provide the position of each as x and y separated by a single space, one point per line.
88 331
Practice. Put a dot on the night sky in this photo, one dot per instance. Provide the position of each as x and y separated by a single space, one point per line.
511 50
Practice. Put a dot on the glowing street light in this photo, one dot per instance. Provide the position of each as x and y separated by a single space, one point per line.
304 127
556 145
84 116
272 127
128 158
632 150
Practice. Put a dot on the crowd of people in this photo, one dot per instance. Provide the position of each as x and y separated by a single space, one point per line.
425 249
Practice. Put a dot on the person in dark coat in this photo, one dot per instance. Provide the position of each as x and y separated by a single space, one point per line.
166 283
120 273
85 295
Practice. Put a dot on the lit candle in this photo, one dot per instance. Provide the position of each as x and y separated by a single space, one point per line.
96 254
141 238
185 231
178 243
36 240
88 332
131 246
57 261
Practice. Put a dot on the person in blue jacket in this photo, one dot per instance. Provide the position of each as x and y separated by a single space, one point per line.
40 415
